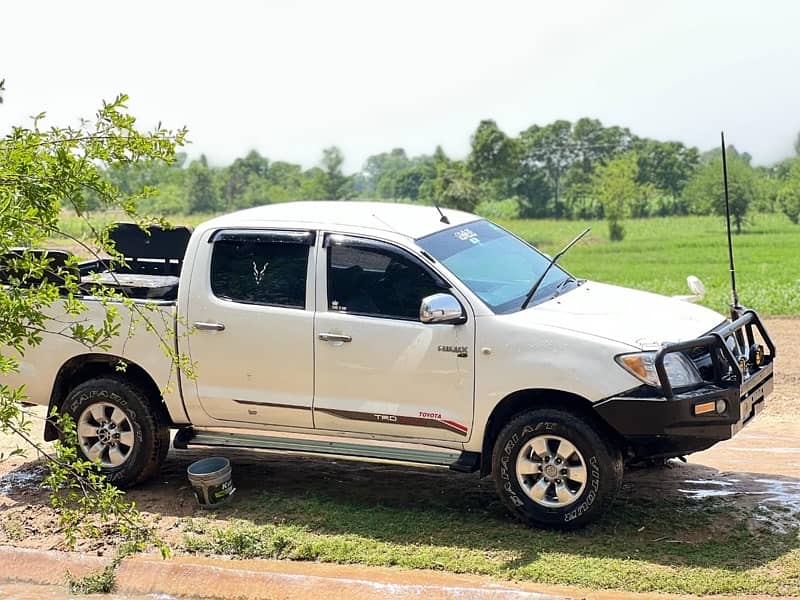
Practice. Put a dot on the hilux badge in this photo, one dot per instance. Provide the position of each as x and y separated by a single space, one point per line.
462 351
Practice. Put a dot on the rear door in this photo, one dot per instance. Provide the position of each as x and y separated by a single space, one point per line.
378 369
253 309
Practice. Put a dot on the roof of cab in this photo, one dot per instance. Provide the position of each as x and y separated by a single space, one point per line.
414 221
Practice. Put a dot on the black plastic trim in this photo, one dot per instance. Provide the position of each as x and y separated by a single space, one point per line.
280 236
715 342
661 426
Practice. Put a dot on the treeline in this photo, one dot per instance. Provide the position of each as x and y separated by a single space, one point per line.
561 170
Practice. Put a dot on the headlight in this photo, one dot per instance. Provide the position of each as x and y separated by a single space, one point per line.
680 370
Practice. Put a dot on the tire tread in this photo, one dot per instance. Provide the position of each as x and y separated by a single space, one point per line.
570 420
152 418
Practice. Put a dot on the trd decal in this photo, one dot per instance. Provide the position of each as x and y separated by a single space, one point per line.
431 420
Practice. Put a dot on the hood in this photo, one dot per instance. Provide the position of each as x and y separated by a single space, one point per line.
639 319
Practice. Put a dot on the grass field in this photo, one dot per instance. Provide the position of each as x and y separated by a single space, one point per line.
646 545
657 255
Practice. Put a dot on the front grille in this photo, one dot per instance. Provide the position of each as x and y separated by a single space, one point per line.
702 358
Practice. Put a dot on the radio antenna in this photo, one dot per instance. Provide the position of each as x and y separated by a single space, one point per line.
443 219
734 296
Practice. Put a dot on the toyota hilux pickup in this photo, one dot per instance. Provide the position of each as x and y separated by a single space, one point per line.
400 333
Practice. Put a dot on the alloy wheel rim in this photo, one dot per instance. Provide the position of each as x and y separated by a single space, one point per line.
105 434
551 471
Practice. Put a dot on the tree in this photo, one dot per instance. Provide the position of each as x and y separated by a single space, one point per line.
706 193
796 142
614 185
337 186
550 149
455 188
410 181
789 195
43 171
240 176
493 155
596 144
200 188
666 165
380 171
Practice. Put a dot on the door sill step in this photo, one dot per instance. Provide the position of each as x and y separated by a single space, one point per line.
465 462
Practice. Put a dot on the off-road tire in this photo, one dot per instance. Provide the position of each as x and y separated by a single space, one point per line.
148 422
604 468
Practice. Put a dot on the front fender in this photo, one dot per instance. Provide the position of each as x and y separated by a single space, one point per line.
512 358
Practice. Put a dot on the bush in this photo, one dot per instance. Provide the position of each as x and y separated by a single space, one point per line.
616 231
584 207
790 205
666 205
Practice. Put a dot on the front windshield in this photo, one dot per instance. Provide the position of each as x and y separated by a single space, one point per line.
498 267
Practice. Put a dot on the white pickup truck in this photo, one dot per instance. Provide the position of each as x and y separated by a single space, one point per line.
388 331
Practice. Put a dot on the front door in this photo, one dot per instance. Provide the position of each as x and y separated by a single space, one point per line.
253 311
378 369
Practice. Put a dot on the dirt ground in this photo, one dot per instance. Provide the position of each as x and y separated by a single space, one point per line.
759 468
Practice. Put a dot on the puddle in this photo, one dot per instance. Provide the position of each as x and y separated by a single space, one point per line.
711 482
785 493
25 591
778 500
777 521
709 492
28 478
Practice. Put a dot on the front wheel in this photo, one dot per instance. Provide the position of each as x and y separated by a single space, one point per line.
553 469
118 428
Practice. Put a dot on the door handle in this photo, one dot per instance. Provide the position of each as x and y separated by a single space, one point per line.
204 326
335 337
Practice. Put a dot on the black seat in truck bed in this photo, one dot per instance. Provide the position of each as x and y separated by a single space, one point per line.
153 264
154 260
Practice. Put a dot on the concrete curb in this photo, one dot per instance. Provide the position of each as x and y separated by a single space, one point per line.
180 578
46 567
256 580
225 579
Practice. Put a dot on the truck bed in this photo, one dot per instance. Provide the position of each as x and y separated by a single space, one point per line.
143 281
153 263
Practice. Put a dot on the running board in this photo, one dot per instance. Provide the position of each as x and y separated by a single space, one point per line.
465 462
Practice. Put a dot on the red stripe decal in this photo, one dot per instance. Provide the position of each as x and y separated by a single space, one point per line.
455 425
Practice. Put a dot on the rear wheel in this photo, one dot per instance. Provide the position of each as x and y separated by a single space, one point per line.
554 469
118 428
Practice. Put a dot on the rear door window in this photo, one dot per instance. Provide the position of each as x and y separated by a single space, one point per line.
261 268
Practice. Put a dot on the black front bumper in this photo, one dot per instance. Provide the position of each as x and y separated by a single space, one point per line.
665 425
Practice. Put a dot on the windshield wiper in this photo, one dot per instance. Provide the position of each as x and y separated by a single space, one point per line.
553 261
563 283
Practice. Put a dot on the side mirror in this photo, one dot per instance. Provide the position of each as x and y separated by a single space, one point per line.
697 287
440 308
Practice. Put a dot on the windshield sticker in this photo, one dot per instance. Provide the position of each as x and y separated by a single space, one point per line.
467 235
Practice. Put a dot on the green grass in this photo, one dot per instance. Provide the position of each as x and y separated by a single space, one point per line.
678 546
658 254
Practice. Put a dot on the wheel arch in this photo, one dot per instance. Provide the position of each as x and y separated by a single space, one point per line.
84 367
532 398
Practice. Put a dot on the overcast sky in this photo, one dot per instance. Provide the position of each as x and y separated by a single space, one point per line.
288 78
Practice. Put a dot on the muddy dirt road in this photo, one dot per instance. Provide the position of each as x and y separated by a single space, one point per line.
758 469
